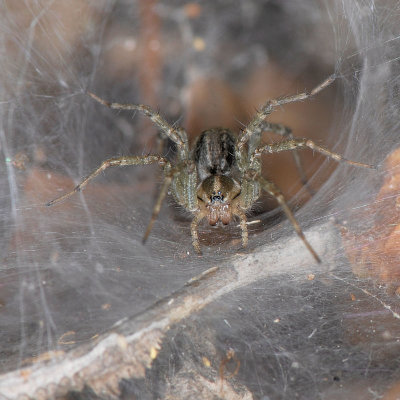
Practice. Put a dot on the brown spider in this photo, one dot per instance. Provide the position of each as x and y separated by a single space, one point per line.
220 177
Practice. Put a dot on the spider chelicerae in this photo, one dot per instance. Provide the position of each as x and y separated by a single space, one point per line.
220 176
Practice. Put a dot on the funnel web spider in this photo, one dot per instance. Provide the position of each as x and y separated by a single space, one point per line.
219 178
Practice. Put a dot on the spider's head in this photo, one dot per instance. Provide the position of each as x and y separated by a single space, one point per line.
216 194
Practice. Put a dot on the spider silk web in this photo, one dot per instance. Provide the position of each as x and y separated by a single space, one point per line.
89 311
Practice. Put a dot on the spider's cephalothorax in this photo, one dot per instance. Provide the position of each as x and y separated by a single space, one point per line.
220 178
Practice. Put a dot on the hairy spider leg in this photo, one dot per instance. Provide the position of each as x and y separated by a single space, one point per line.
274 191
243 226
269 106
178 135
193 230
286 132
303 143
157 206
113 162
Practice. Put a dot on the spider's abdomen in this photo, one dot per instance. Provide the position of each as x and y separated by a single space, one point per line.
214 153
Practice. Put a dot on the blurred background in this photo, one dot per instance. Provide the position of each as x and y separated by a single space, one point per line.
89 312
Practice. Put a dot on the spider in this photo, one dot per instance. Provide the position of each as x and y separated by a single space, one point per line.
219 178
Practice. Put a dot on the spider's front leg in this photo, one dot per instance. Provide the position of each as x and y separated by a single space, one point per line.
253 128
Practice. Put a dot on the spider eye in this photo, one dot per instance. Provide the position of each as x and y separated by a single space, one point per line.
217 190
216 197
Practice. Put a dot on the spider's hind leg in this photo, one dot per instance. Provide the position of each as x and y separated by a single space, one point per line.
193 230
157 206
286 133
304 143
273 190
243 227
112 162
